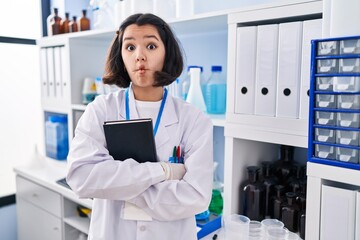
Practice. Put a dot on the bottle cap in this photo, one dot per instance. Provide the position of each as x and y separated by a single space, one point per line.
194 66
216 68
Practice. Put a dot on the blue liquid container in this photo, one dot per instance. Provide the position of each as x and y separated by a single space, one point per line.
56 137
215 95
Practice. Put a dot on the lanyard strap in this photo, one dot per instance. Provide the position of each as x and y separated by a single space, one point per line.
127 109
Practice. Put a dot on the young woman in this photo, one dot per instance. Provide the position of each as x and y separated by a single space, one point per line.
152 200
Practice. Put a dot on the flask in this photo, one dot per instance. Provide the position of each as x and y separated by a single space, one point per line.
284 165
216 204
84 22
277 201
185 83
89 90
289 212
56 137
73 25
254 195
195 96
269 182
65 24
215 96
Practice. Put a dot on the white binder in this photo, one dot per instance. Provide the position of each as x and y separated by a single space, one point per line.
245 70
266 69
288 78
58 73
337 213
44 74
311 30
51 73
65 85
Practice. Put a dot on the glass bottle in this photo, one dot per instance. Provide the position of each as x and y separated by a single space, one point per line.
216 204
254 195
215 96
55 23
65 24
73 25
185 83
50 20
195 96
284 165
269 182
289 212
277 201
295 179
301 200
84 22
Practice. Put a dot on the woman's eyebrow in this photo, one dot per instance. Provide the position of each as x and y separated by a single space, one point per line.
151 36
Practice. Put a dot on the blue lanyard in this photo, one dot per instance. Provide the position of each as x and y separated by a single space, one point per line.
127 109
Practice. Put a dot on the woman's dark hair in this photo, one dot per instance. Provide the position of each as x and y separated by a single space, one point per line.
115 72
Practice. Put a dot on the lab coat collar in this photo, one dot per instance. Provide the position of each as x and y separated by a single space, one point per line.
169 116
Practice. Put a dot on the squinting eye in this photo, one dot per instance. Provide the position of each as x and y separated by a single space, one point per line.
130 48
151 46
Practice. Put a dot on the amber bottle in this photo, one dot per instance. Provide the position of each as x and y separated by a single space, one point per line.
55 23
65 24
269 181
253 195
284 165
73 25
290 212
84 22
278 201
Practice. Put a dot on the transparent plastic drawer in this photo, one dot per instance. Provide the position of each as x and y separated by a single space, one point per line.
325 135
324 83
324 151
348 120
327 66
349 65
328 48
347 155
350 46
348 101
346 84
347 137
325 118
325 101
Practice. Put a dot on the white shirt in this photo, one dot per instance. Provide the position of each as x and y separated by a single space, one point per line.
172 204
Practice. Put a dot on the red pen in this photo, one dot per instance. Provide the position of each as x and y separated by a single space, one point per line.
178 157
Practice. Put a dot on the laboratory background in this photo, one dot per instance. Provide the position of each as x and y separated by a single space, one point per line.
280 80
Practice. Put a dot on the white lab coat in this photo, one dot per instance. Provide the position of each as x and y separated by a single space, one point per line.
93 173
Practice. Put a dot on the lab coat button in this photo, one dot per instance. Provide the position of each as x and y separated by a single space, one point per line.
142 228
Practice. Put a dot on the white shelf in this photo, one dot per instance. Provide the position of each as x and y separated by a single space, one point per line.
78 107
80 223
218 120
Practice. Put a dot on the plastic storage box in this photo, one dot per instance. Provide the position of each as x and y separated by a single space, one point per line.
334 122
56 136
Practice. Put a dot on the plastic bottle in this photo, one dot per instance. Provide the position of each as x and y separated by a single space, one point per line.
65 24
254 195
215 96
195 95
84 22
56 137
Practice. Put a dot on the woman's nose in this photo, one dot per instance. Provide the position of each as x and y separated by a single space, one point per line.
140 56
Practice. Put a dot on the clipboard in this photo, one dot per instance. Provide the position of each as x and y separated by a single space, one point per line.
131 139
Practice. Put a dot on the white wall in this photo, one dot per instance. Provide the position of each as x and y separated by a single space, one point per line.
20 115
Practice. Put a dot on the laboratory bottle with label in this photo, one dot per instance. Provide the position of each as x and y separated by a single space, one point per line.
84 22
269 181
215 96
56 137
65 24
195 95
253 195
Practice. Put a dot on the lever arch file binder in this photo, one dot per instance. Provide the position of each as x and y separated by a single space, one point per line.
288 79
245 70
266 69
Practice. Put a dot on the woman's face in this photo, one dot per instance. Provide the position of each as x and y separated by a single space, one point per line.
143 54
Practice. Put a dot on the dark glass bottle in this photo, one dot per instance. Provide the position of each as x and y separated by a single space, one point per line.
301 200
290 212
254 195
284 164
73 25
269 182
55 23
84 22
294 179
277 201
65 24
